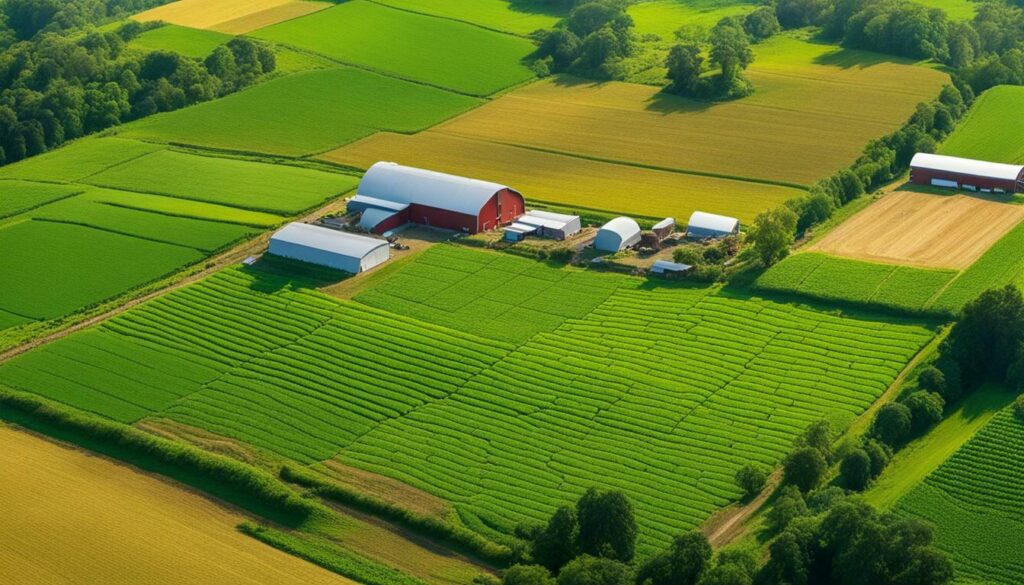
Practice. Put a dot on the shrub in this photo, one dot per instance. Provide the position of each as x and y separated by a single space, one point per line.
751 479
690 255
686 559
932 379
789 505
1018 408
879 453
804 468
925 410
556 544
527 575
588 570
607 526
855 470
892 424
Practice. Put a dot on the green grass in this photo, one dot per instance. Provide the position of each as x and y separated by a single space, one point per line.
8 320
675 387
921 457
432 50
1002 264
236 183
992 129
515 16
190 42
957 10
19 196
664 17
305 113
78 160
840 279
173 206
975 500
60 268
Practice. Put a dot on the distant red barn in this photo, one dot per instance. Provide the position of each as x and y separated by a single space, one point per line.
391 195
964 173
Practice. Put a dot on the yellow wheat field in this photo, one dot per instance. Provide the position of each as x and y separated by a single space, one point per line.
230 16
566 180
69 517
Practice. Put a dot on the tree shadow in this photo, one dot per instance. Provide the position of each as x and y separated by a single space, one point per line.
667 103
272 274
850 59
536 7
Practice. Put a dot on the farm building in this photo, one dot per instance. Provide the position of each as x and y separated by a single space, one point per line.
708 225
664 228
666 268
618 234
326 247
543 224
964 173
391 195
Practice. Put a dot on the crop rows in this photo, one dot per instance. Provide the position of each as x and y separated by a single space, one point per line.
976 501
663 394
1002 264
19 196
841 279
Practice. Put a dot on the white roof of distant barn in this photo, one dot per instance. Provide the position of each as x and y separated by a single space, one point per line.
321 238
712 222
667 222
547 219
401 184
624 226
966 166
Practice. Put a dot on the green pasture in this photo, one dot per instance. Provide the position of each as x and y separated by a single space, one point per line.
236 183
190 42
58 268
19 196
431 50
675 387
975 501
957 10
78 160
175 207
832 278
992 129
515 16
305 113
665 17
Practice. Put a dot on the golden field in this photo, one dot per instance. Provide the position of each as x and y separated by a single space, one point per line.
566 180
230 16
69 517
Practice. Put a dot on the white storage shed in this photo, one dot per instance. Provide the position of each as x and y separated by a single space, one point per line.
708 225
618 234
326 247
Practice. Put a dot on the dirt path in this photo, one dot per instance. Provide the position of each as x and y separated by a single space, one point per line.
213 264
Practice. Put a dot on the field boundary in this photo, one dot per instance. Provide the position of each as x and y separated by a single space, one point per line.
450 18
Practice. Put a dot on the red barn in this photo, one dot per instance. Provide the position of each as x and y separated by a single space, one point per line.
963 173
391 195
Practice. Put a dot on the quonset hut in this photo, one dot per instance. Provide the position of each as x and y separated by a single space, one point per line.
618 234
964 173
326 247
391 195
708 225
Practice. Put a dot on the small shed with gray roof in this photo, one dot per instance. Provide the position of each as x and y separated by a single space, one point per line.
709 225
327 247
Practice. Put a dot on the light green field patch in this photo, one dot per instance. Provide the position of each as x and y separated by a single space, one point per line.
305 113
1002 264
993 128
957 10
51 269
431 50
190 42
78 160
665 17
18 196
174 206
515 16
238 183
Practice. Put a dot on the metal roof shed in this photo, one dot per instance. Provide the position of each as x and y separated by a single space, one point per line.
555 225
709 225
666 267
618 234
326 247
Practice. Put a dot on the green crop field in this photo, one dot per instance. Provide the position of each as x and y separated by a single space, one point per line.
976 502
992 129
1003 264
61 267
958 10
19 196
191 42
78 160
428 49
175 207
840 279
514 16
305 113
676 387
664 17
237 183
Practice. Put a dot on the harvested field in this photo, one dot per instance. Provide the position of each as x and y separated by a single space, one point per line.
76 518
813 112
230 16
916 229
568 180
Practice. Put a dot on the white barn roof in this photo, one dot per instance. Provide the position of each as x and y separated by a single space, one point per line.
400 184
365 201
548 219
328 240
709 223
617 234
663 266
966 166
665 223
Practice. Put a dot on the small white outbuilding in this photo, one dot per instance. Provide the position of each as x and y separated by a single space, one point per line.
618 234
709 225
544 224
326 247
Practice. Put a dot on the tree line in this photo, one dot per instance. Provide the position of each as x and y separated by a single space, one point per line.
56 87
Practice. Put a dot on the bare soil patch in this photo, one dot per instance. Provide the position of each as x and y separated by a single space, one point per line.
386 488
917 229
230 16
